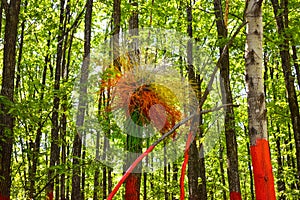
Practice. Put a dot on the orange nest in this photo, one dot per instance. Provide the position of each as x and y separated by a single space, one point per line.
143 102
151 107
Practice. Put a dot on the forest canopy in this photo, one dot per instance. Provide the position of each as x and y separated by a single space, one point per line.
204 94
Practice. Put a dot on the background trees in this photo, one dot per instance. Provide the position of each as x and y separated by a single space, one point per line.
43 44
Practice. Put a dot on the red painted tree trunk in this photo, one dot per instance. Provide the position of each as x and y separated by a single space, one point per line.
132 187
261 161
262 169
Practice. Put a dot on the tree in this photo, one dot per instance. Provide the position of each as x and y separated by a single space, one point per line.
261 161
196 167
12 9
282 25
55 150
230 133
77 143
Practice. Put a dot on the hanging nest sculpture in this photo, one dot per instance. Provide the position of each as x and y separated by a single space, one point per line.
143 100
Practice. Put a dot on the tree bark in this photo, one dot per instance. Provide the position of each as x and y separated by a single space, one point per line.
54 149
77 143
230 133
133 144
116 31
196 190
12 10
261 161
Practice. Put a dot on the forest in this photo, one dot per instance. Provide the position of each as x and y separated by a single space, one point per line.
149 99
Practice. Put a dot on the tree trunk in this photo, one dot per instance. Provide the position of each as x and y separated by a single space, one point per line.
133 182
116 31
261 161
77 143
221 159
230 133
12 10
54 149
288 78
193 162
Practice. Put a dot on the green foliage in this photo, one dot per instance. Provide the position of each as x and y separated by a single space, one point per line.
33 100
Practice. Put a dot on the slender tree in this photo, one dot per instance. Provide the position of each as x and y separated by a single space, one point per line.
133 144
282 25
12 10
261 161
77 143
230 133
54 149
195 192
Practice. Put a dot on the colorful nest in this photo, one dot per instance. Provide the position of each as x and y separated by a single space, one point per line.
144 101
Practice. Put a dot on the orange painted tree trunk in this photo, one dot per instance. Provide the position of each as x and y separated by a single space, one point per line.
261 161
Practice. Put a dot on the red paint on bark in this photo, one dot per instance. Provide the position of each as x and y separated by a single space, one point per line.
50 195
132 188
262 170
235 196
128 172
4 198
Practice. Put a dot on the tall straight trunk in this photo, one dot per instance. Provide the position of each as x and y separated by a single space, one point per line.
133 144
116 34
116 31
104 170
175 178
288 77
54 149
65 77
250 171
12 10
77 143
195 192
261 160
230 133
221 159
20 54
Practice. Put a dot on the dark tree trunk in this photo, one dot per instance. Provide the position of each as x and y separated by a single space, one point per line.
230 133
196 190
12 10
289 78
104 171
77 143
250 171
18 77
54 149
116 31
175 178
133 182
65 77
222 169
